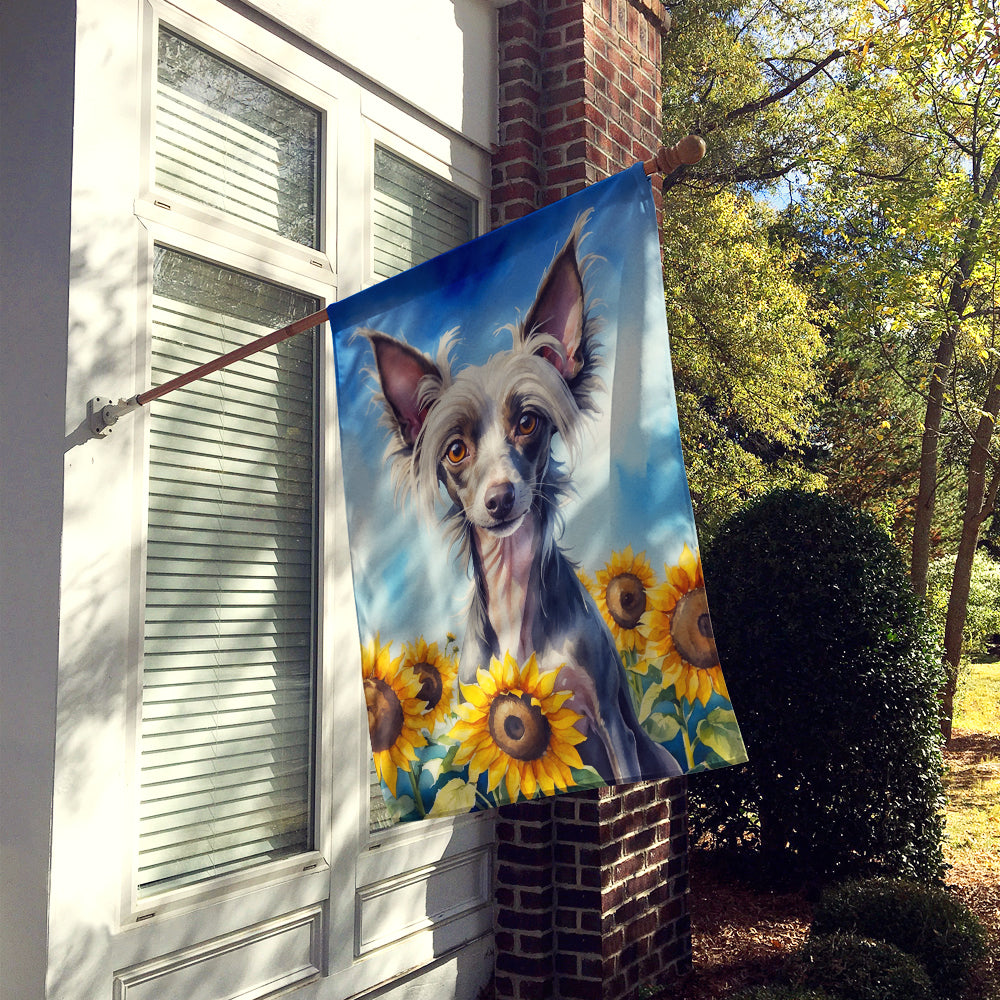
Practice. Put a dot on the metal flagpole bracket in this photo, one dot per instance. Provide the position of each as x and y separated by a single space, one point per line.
103 413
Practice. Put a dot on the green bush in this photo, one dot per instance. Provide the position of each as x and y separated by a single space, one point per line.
833 673
982 618
782 993
926 922
856 968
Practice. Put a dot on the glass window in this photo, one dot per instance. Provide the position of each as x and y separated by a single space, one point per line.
416 215
228 659
228 140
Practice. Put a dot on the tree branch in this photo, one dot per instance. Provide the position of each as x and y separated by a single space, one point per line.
754 106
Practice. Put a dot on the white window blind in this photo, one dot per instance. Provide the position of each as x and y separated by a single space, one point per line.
228 140
416 215
228 676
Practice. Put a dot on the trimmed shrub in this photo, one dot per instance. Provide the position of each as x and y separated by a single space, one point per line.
782 993
834 673
926 922
857 968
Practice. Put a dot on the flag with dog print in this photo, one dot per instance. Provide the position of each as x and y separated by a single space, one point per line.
531 609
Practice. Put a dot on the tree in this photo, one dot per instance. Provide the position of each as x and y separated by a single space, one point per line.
746 354
746 75
913 184
866 438
879 122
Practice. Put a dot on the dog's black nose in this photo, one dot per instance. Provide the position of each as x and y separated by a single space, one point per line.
500 500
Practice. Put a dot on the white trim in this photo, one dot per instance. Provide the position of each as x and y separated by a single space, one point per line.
283 66
174 222
237 956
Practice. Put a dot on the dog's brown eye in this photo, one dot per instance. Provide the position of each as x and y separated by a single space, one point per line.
456 451
527 424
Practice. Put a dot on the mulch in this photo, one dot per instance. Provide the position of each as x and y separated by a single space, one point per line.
742 934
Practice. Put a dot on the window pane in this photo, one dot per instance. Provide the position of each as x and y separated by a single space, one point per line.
228 678
417 215
228 140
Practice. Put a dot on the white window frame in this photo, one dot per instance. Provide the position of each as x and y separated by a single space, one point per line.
181 224
352 871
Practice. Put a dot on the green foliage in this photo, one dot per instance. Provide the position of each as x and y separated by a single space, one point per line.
857 968
738 73
833 674
782 992
746 354
983 613
746 349
877 125
926 922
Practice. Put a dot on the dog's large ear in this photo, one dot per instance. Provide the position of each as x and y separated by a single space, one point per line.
401 369
558 312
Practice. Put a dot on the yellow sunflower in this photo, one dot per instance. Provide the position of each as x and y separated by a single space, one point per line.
513 726
437 679
621 591
395 709
680 630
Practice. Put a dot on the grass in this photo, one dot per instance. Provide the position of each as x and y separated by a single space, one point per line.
978 697
972 848
973 785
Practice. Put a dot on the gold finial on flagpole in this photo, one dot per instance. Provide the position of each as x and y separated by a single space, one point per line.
668 158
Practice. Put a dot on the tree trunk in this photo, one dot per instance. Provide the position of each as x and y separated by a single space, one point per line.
979 502
920 553
958 299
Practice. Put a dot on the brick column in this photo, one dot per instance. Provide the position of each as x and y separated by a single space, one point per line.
591 888
579 96
621 882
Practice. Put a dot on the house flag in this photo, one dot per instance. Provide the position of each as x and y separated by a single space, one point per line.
527 579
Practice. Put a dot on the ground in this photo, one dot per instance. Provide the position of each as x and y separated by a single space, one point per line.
742 935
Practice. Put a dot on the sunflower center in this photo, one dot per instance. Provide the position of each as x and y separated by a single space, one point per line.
385 713
519 728
691 630
431 684
626 599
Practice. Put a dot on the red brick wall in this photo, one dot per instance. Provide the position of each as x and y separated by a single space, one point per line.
621 888
579 96
591 893
591 889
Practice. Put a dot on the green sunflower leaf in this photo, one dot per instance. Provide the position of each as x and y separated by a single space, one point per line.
653 694
442 762
401 807
662 728
720 732
586 777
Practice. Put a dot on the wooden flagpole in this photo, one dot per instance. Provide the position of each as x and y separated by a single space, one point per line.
102 413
